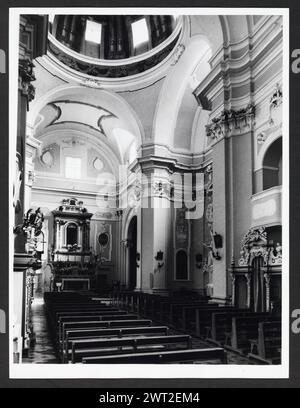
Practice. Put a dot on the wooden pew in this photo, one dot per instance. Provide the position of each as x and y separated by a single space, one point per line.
64 326
93 312
162 357
96 347
221 323
268 344
75 334
176 311
196 319
244 330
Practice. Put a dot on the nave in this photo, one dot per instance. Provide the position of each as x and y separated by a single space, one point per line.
127 328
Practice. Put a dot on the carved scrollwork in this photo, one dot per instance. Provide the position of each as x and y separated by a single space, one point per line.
275 102
26 76
254 244
229 121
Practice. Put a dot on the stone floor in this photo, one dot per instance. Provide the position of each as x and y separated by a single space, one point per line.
43 350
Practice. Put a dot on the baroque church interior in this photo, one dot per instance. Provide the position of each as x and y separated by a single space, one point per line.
147 189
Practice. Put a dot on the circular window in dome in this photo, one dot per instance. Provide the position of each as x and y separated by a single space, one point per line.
98 164
47 158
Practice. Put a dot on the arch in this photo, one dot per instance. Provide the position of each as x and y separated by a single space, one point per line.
270 139
272 165
71 233
174 88
106 151
132 253
107 99
182 272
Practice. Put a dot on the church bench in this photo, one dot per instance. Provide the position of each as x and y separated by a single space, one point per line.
221 323
244 330
196 319
179 312
162 357
268 344
91 317
162 308
96 347
92 312
64 326
75 334
100 305
82 309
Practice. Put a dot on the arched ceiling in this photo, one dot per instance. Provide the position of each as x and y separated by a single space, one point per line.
94 112
159 108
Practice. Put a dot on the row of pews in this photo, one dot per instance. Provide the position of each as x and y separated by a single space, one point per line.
256 335
88 329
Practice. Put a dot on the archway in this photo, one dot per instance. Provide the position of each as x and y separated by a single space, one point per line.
272 165
132 254
258 287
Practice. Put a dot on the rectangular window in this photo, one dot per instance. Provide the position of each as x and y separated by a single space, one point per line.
73 167
93 32
140 32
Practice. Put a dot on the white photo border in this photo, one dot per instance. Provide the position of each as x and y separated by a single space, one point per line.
105 371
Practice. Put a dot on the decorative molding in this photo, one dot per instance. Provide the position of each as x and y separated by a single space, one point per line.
162 189
254 244
261 138
26 76
91 83
275 102
229 121
178 53
106 70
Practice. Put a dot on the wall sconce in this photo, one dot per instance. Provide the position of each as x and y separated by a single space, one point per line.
198 259
218 240
218 243
159 257
138 258
59 285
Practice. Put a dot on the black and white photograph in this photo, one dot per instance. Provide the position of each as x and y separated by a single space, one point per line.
149 193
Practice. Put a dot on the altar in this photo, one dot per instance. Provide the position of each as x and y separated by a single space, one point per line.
75 284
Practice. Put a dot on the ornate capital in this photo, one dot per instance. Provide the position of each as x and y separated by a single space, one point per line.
231 121
254 244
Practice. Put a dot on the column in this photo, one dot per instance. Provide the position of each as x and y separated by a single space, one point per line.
267 278
156 229
248 283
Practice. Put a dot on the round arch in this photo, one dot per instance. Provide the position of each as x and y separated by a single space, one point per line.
174 88
268 142
107 99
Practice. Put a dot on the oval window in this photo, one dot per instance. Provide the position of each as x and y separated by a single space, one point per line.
98 164
47 158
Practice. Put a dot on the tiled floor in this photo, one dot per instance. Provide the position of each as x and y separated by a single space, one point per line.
43 351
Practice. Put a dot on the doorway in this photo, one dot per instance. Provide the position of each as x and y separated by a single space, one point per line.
132 252
258 287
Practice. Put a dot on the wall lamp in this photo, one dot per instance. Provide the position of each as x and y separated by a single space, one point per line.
198 259
218 243
138 258
159 258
